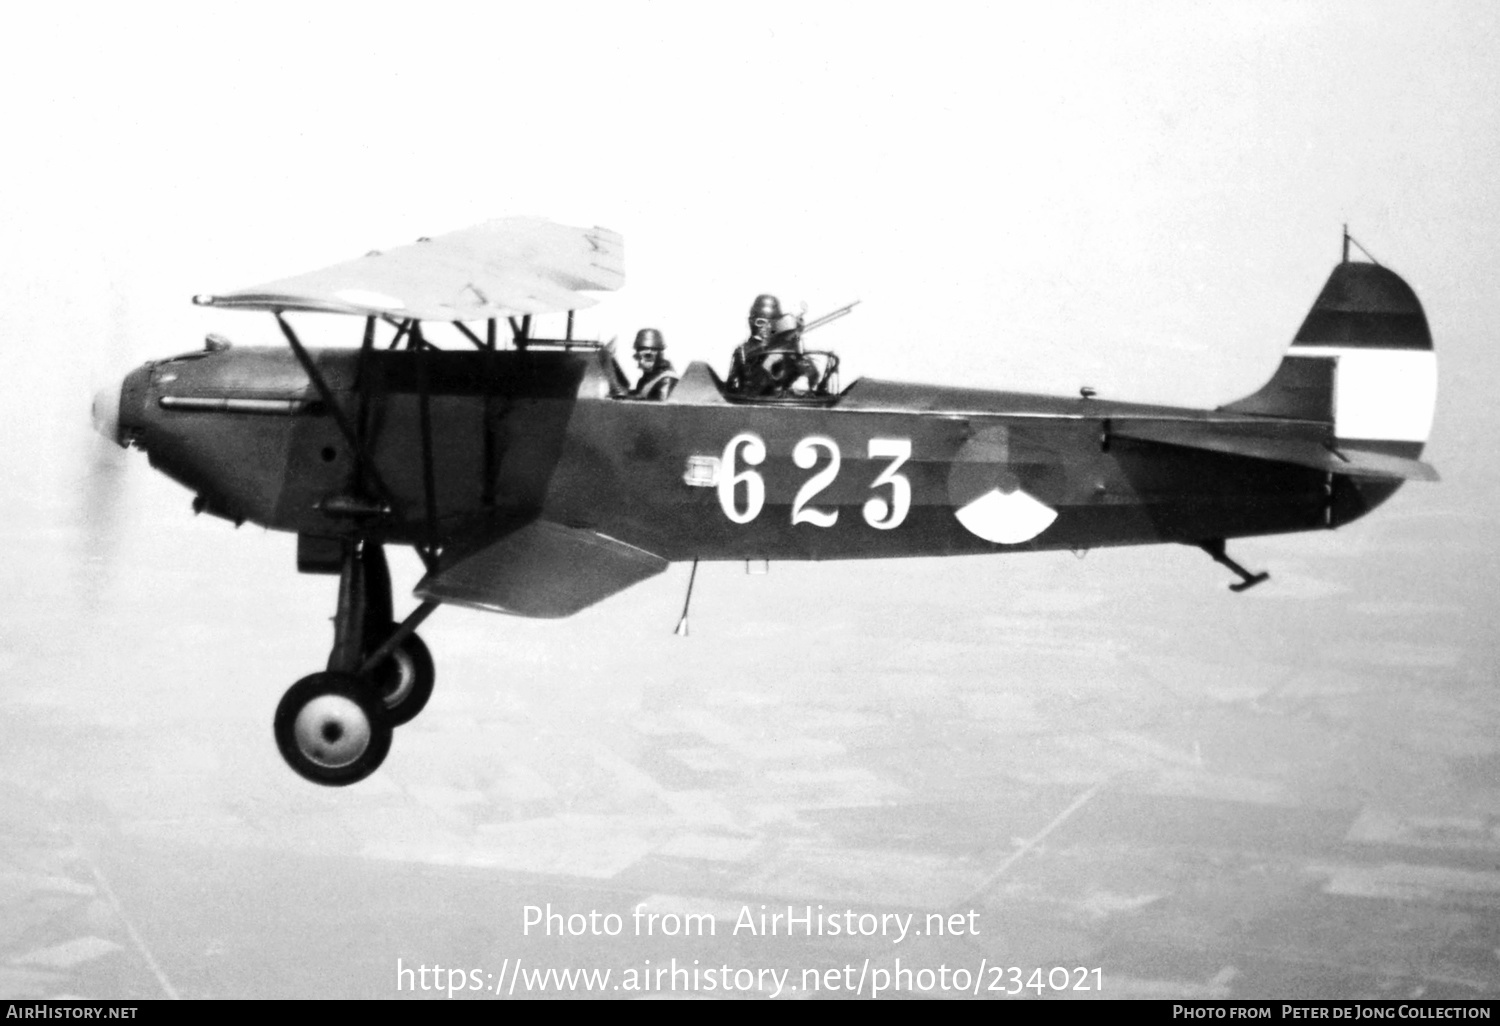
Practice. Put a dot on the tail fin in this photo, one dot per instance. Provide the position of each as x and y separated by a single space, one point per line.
1363 362
1300 388
1363 359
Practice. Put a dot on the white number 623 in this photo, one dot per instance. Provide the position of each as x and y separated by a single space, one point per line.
879 512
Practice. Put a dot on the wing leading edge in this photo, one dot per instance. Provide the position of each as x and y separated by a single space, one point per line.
515 265
541 569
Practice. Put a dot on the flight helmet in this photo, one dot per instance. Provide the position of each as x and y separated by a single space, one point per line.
763 313
649 339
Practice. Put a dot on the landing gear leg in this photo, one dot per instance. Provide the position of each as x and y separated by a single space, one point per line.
403 675
364 609
334 727
1215 549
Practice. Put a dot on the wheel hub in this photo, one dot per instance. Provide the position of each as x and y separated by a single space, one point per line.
402 677
332 731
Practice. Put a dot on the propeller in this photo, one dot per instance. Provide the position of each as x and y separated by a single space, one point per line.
100 495
100 491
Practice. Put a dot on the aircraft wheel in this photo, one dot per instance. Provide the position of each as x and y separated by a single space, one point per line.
331 729
404 681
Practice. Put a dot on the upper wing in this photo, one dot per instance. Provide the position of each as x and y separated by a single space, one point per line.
1259 442
516 265
540 569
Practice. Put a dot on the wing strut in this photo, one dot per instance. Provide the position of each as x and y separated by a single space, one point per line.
464 330
362 386
521 331
401 330
487 484
424 413
335 411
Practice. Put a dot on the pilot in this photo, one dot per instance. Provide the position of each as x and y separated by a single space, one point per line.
657 376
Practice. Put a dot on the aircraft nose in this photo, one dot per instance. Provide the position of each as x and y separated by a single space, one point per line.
106 413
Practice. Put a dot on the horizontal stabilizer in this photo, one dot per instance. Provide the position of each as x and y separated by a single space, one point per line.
516 265
1257 442
540 570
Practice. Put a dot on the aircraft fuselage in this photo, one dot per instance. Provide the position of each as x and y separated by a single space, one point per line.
881 470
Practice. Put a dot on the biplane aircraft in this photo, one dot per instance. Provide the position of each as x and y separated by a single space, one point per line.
530 481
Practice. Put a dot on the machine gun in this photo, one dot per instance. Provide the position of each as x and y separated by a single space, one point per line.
781 368
818 368
829 317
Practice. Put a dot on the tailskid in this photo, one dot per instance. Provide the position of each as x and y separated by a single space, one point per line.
1215 549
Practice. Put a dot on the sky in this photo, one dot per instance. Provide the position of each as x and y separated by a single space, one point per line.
1144 198
969 165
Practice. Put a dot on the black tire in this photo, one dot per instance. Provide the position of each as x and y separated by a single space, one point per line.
404 681
331 729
